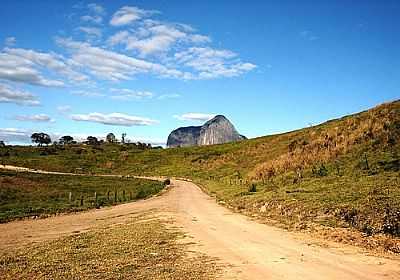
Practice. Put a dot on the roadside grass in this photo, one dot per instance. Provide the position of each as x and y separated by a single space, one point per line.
27 194
141 249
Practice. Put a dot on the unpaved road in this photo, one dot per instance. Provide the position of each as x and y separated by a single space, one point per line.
249 250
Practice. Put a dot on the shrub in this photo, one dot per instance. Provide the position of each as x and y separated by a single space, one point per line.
167 182
253 188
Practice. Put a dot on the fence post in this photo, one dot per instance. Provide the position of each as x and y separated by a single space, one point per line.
115 195
366 161
95 199
70 197
123 195
82 200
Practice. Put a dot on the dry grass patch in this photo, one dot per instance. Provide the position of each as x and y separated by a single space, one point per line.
137 250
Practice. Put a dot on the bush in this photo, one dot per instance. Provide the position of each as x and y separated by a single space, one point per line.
167 182
253 188
322 171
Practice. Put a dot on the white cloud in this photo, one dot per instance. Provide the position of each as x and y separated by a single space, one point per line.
16 69
197 38
34 118
25 66
111 65
64 109
118 37
128 14
10 41
87 93
154 37
117 119
128 94
94 19
153 47
19 97
96 13
195 117
15 135
169 96
91 31
212 63
96 8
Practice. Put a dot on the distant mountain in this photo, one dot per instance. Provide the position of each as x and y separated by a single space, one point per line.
216 131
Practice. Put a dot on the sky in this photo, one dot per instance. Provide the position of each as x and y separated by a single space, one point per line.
147 67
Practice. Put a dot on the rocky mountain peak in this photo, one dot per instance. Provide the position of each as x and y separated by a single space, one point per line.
218 130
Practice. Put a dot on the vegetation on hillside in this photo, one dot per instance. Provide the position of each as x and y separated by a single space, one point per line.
27 195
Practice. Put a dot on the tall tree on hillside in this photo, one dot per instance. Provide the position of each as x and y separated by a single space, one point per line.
91 140
110 138
41 138
2 144
123 138
66 140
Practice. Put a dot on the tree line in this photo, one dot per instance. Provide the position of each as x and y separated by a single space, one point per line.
42 138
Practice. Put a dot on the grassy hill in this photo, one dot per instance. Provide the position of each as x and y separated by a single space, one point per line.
343 173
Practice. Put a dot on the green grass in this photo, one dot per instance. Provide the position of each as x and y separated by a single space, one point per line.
27 194
141 249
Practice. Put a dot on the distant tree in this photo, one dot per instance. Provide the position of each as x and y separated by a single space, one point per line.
41 138
123 138
2 144
91 140
110 138
66 140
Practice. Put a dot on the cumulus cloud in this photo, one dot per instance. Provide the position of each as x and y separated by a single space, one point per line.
10 41
128 14
33 118
19 97
195 117
116 119
129 94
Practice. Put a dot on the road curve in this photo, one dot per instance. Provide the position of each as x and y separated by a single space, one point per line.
248 249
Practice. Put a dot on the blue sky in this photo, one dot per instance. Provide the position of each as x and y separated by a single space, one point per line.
147 67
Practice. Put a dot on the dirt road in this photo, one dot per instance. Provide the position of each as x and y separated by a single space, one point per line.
249 250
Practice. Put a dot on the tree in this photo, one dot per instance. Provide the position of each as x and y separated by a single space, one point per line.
41 138
110 138
123 138
66 140
91 140
2 144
